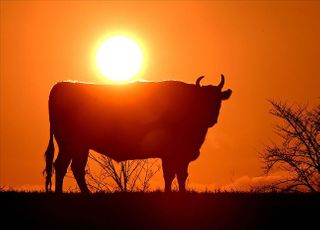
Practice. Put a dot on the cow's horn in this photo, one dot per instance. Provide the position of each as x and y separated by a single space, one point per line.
221 84
198 80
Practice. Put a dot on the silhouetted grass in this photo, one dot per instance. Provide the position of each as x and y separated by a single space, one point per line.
157 210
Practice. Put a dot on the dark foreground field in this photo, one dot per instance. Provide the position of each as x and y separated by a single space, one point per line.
159 211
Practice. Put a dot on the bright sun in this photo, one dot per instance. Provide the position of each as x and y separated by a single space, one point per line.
119 58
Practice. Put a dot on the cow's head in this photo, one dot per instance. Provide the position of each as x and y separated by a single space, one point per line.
210 100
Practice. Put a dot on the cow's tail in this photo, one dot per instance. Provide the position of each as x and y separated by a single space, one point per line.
49 154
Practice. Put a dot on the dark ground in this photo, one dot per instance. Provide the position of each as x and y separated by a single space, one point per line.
160 211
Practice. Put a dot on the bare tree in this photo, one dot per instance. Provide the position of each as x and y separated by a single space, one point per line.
126 176
298 151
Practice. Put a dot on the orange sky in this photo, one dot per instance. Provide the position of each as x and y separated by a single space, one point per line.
265 49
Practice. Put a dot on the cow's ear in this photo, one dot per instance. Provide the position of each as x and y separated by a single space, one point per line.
226 94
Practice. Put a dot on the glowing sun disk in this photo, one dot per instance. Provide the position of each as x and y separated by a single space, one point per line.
119 58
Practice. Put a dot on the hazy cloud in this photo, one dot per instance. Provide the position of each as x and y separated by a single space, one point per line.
246 183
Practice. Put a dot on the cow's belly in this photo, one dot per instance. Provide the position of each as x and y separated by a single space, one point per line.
123 155
127 145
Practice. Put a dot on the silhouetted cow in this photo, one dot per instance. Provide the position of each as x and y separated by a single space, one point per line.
167 120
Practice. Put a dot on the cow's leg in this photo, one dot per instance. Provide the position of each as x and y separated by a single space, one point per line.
182 174
79 161
168 174
61 165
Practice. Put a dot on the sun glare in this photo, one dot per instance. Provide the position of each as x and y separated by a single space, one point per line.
119 58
